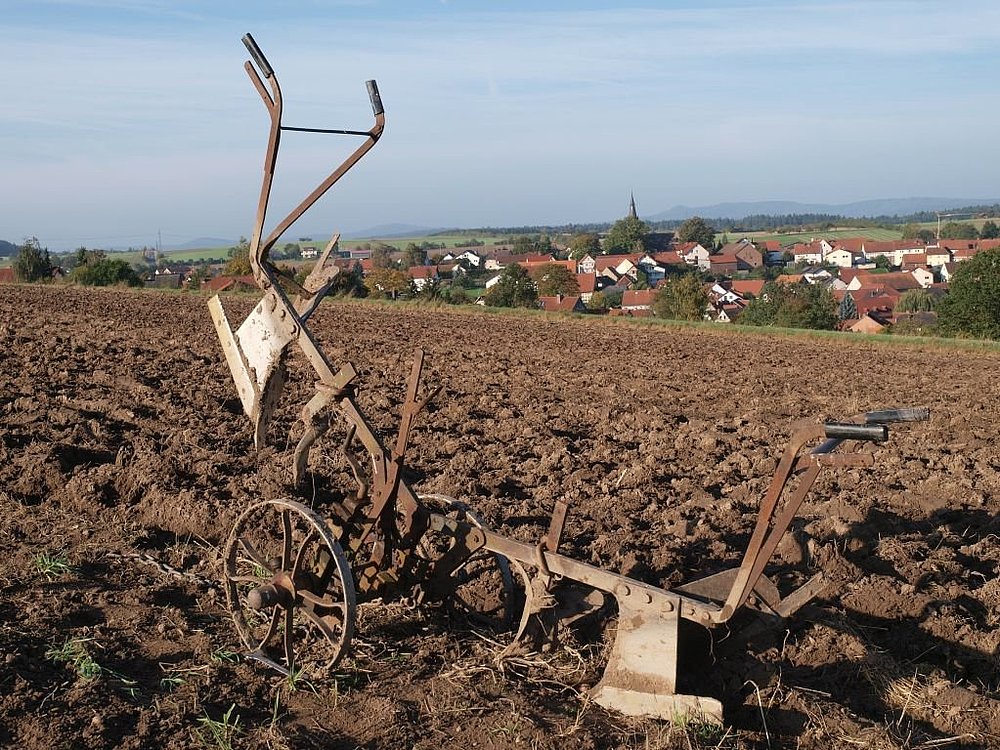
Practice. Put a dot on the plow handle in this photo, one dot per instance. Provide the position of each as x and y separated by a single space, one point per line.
377 108
909 414
257 55
878 433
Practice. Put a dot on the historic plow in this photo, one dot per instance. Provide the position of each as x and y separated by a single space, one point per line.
295 572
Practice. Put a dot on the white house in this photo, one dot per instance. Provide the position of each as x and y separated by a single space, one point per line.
924 277
842 257
655 273
422 275
817 275
938 256
586 264
694 254
474 259
808 253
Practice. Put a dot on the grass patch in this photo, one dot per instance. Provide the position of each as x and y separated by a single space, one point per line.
74 653
224 656
52 566
212 733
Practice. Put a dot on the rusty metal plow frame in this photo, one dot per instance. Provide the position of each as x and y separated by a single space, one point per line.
256 353
374 544
641 674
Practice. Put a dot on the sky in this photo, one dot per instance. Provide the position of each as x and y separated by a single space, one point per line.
132 122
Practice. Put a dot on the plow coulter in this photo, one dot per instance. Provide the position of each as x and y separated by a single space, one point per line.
296 571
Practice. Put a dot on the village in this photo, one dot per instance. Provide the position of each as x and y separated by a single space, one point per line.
874 274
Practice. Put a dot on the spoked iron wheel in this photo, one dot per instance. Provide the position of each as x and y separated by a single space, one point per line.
290 588
484 592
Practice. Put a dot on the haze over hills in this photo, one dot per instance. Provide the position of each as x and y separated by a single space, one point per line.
856 210
200 242
734 211
386 231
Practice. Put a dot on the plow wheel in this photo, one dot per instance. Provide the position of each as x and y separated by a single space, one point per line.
484 592
290 588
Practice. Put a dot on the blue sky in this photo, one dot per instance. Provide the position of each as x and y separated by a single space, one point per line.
125 118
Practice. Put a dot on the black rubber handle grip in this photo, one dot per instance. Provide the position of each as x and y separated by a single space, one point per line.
909 414
257 55
878 433
376 99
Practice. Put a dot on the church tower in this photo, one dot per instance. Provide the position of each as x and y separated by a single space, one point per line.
631 207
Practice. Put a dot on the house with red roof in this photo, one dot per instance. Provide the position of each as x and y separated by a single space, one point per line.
844 257
638 300
867 324
562 303
937 256
808 252
894 250
669 258
587 284
851 244
901 281
728 312
914 260
879 301
423 275
958 254
229 284
747 288
694 254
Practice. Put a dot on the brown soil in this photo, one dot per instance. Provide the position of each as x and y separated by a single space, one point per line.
125 458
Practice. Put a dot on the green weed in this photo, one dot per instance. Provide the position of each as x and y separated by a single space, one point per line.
52 566
224 656
218 733
74 653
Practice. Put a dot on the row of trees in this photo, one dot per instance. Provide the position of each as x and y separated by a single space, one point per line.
517 287
631 235
953 230
33 263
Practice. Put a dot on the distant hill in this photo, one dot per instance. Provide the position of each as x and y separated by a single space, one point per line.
7 249
386 231
201 243
856 210
382 231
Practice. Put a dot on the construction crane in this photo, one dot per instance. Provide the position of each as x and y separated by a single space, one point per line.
950 216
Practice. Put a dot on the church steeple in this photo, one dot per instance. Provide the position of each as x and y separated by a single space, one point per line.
631 207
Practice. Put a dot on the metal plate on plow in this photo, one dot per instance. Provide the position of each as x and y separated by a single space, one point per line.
254 356
641 675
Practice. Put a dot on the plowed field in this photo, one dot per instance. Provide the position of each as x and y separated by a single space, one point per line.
125 459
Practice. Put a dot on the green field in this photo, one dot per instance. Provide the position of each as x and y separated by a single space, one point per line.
790 238
450 240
